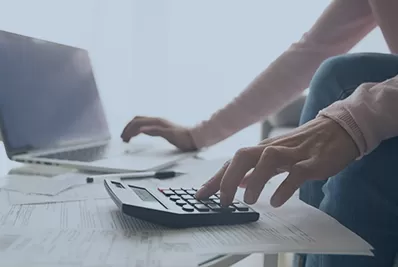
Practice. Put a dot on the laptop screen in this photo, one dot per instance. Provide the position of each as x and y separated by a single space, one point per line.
48 95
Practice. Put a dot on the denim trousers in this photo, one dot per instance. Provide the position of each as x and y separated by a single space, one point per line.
364 196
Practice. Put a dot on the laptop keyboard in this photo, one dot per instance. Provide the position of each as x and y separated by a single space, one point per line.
85 154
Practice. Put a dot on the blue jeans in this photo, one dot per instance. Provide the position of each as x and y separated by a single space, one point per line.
364 196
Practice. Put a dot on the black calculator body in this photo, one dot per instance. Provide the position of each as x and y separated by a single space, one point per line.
176 207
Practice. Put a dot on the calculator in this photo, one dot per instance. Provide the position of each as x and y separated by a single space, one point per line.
176 207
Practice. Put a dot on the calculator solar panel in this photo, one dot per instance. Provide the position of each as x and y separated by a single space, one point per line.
176 207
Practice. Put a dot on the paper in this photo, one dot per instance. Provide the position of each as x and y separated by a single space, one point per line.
39 169
71 247
77 193
33 184
295 227
89 214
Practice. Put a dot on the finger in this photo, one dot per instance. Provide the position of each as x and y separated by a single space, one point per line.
213 185
166 133
123 135
133 127
299 173
272 161
243 161
245 179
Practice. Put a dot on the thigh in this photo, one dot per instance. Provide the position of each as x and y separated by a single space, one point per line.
336 79
364 198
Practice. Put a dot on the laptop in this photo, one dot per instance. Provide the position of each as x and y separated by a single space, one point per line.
51 111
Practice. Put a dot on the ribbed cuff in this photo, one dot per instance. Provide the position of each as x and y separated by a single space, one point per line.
341 115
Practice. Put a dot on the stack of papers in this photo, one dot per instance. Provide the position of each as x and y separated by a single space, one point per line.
84 217
87 247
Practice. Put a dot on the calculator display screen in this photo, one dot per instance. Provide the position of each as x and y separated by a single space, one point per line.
143 194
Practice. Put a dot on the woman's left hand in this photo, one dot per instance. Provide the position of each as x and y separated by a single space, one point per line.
316 150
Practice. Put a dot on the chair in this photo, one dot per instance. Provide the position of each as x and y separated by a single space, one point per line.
284 120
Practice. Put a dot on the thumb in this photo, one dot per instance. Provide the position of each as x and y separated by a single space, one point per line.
158 131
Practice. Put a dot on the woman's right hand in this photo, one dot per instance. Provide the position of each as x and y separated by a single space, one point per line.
176 135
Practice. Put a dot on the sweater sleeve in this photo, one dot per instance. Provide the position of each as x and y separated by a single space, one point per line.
337 30
369 115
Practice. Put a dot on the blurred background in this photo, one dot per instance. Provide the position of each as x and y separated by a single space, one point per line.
178 59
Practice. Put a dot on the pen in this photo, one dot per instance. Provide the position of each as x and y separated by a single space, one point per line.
135 175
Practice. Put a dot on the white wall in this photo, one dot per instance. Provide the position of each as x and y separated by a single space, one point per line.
172 58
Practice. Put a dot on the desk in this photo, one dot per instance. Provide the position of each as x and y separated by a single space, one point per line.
204 260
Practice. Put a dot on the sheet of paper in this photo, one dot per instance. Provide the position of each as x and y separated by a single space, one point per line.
78 247
77 193
33 184
295 227
41 170
78 190
89 214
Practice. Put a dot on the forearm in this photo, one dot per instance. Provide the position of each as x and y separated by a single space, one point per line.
370 114
269 91
337 30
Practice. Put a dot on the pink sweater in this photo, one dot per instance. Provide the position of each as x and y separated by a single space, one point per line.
370 114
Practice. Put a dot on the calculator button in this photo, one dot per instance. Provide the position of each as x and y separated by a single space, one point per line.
194 201
186 197
218 201
166 192
201 207
241 207
230 207
179 192
191 192
187 207
181 202
174 198
207 201
214 207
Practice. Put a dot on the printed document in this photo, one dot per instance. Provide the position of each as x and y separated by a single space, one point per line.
294 227
78 247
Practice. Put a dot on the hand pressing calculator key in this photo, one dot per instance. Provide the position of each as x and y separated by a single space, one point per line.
176 207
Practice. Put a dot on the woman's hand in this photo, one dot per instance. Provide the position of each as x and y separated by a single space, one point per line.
176 135
316 150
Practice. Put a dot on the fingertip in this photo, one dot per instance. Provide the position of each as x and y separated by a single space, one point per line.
201 193
249 197
243 185
224 199
276 201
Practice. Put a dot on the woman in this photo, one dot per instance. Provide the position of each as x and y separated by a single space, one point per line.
349 129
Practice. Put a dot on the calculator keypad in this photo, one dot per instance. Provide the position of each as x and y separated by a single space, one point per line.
185 198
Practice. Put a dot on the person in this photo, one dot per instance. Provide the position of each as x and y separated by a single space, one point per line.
343 156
